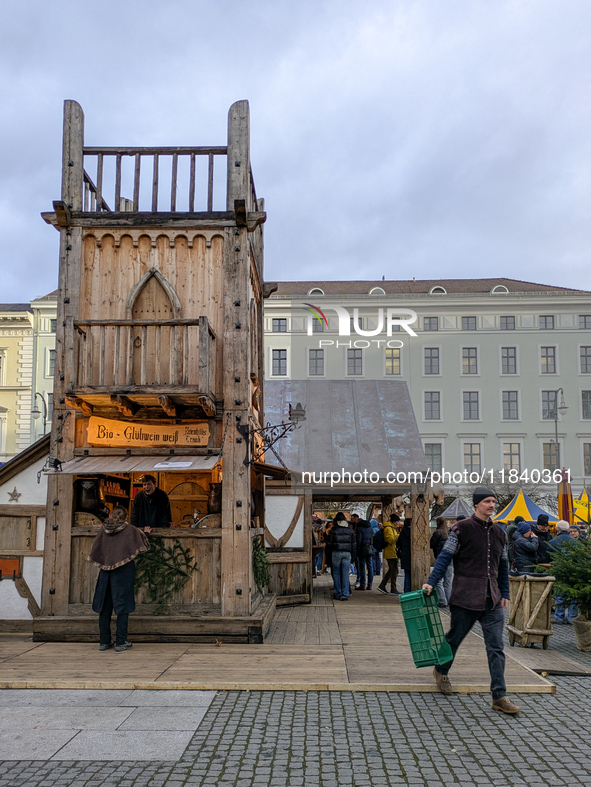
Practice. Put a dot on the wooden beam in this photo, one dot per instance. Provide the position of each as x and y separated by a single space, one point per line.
79 404
168 405
269 287
63 214
420 549
17 510
197 220
240 212
208 405
125 405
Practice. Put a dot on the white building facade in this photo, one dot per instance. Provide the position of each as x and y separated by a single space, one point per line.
499 370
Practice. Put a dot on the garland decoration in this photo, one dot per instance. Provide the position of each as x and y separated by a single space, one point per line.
260 563
164 570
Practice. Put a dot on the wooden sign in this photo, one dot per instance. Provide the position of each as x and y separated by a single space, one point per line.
102 431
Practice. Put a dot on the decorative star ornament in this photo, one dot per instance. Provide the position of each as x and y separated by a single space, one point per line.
14 495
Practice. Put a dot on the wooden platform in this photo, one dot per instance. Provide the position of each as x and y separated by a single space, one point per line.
359 645
164 628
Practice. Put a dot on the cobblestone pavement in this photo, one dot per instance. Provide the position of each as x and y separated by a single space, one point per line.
373 739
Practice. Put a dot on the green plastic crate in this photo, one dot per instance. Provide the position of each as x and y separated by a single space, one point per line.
424 628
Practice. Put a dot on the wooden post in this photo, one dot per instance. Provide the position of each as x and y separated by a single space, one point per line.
56 565
236 494
419 550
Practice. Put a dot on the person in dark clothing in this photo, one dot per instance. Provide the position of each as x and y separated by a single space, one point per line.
540 529
563 612
480 591
403 551
364 538
114 550
151 506
341 541
511 530
437 542
525 548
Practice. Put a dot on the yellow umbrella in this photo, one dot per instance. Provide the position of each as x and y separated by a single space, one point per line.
582 513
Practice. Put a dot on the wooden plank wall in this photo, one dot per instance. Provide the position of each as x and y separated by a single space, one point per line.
204 586
192 266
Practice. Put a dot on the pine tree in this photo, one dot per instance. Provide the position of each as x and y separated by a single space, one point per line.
571 565
164 570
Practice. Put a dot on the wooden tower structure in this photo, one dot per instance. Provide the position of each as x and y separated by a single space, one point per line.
159 364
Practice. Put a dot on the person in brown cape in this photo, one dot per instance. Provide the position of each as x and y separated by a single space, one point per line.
114 550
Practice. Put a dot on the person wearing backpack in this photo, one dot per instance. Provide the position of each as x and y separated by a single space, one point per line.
377 553
364 538
391 556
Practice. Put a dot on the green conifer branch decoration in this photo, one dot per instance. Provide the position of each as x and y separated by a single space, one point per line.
260 563
164 570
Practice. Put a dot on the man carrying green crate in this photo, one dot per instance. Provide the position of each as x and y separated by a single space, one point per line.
480 591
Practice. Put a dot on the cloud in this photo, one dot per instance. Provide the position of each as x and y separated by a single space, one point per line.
399 138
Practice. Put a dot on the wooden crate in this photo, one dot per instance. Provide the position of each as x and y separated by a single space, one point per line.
530 610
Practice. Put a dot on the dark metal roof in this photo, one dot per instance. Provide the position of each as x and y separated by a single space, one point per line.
456 509
15 307
418 287
354 425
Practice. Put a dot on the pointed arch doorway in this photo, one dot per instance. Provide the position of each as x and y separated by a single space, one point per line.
152 303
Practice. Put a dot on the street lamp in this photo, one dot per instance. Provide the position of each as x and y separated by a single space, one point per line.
558 408
36 412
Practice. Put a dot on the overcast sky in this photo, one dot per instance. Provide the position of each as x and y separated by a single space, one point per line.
389 137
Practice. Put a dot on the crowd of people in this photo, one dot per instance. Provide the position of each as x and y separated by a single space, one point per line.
359 549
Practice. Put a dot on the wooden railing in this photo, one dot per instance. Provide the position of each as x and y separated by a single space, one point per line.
94 199
112 354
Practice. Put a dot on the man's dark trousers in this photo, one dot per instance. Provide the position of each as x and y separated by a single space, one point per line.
105 622
492 622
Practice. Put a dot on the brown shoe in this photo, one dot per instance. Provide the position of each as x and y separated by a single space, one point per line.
443 682
504 704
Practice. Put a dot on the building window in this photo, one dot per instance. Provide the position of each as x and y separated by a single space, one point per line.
280 325
392 360
548 359
434 457
471 406
431 324
509 360
548 405
469 360
432 406
585 360
510 407
49 406
546 322
317 325
587 458
2 366
359 323
431 360
511 456
51 363
316 362
354 362
279 362
472 457
586 402
52 326
550 456
584 322
507 323
468 323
